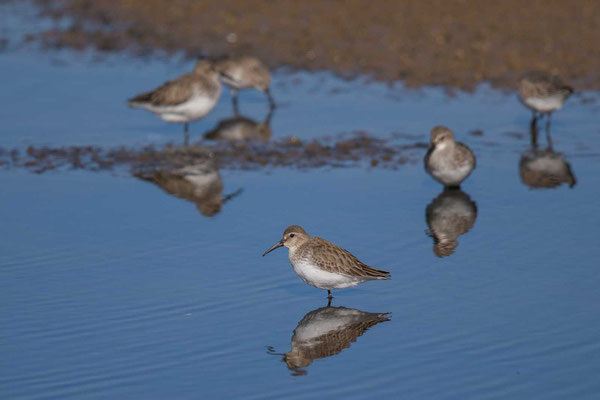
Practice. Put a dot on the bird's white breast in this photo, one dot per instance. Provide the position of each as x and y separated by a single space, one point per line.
317 277
444 170
545 104
452 176
196 107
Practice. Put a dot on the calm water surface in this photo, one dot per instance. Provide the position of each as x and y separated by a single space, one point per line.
112 288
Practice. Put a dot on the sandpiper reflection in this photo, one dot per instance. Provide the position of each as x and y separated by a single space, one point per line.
239 127
544 168
451 214
187 175
325 332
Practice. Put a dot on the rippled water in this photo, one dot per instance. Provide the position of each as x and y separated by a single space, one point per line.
113 288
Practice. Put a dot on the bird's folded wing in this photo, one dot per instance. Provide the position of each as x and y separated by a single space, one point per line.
169 93
465 155
332 258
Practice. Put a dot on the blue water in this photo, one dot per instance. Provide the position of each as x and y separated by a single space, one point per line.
112 288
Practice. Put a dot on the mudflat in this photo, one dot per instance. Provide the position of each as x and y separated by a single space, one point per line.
452 43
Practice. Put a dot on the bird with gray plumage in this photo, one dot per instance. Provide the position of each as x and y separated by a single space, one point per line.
245 72
543 94
187 98
322 264
447 161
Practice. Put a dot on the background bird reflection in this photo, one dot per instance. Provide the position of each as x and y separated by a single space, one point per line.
544 168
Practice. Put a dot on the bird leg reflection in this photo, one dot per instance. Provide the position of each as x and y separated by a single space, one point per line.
232 195
548 138
533 130
234 101
186 134
272 104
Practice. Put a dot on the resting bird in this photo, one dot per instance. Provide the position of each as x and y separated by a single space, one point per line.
447 161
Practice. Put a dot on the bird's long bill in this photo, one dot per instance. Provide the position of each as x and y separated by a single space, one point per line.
275 246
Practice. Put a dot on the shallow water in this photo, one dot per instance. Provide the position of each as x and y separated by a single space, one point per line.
112 288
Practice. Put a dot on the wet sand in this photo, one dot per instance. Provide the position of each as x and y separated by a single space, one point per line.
456 44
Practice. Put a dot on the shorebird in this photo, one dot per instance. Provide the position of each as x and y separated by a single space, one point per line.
187 98
322 264
543 94
325 332
245 72
451 214
241 128
447 161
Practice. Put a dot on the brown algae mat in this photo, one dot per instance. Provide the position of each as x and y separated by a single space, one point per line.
452 43
359 149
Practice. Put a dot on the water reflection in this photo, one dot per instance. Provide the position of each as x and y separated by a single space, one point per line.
239 127
544 168
451 214
325 332
193 178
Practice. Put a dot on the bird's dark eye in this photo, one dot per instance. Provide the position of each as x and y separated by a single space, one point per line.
291 235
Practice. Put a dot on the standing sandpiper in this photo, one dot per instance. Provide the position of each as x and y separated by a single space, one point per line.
543 94
322 264
187 98
447 161
243 73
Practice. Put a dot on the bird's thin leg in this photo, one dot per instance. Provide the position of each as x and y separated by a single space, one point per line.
186 134
234 100
534 130
548 138
272 104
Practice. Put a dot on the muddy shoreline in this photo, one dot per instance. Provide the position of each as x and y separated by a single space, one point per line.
455 43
